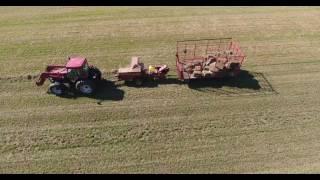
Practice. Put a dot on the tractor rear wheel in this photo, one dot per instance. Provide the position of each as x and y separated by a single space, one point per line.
95 73
85 87
57 89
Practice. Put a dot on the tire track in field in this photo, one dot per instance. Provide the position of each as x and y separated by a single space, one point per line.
31 77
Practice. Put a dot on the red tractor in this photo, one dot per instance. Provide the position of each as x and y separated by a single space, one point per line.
75 74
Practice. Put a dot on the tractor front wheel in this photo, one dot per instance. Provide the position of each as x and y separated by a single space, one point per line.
85 87
57 89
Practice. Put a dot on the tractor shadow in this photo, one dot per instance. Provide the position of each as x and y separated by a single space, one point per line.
106 91
245 83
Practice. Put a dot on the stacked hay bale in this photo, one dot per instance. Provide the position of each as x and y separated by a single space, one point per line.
189 68
213 64
197 71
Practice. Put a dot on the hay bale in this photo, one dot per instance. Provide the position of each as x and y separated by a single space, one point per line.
206 68
219 65
222 60
206 73
209 61
213 67
227 65
197 73
197 68
188 65
188 68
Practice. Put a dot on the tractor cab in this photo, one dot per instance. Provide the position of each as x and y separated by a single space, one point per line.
77 68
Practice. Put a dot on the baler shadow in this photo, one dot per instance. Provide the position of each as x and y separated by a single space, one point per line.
106 90
156 83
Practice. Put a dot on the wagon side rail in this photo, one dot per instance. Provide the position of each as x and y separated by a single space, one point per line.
239 54
196 49
199 50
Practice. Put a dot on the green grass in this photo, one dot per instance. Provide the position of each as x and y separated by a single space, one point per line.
265 121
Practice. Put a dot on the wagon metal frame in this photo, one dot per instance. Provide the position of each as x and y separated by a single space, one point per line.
191 51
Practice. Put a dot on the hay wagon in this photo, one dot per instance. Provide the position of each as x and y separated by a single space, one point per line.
208 58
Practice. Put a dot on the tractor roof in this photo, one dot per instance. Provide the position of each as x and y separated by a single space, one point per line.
76 62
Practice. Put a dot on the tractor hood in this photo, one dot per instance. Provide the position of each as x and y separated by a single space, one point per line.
76 62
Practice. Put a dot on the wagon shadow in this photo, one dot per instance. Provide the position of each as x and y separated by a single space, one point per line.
106 90
244 80
245 83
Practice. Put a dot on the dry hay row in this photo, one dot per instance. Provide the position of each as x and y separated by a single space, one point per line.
236 165
281 73
31 77
19 78
141 132
284 63
95 137
182 116
166 143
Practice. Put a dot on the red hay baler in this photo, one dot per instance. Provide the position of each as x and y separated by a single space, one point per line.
137 72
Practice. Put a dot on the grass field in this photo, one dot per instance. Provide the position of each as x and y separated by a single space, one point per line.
266 121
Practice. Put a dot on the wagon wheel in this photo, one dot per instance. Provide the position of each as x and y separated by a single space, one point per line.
187 81
138 82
